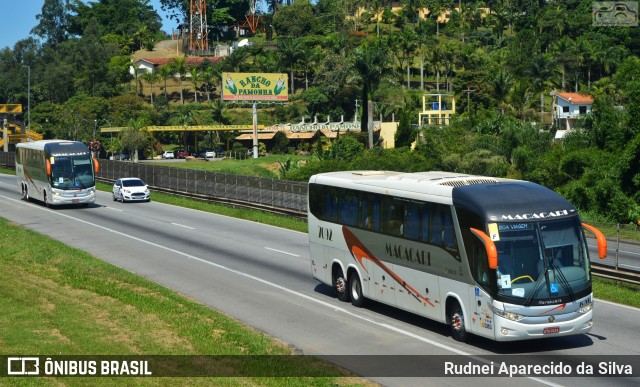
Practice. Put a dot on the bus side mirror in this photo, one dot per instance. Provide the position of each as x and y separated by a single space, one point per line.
602 241
96 165
492 252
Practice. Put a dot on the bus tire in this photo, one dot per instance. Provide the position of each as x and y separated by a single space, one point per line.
355 290
25 193
456 321
340 284
46 201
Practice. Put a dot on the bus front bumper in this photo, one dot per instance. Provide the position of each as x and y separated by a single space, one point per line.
508 330
58 198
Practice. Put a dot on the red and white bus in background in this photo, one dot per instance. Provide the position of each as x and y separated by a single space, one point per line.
499 258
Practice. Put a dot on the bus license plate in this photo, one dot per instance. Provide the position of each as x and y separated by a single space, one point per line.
547 331
75 200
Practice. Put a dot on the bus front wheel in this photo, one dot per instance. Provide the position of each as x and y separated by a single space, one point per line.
456 320
46 200
355 286
25 193
340 285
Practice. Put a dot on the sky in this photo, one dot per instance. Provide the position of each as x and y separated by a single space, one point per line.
19 18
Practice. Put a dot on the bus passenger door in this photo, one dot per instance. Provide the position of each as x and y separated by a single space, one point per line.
480 312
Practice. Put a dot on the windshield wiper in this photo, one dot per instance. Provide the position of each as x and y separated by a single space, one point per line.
537 287
563 281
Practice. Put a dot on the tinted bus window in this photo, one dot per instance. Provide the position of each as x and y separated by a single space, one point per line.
349 208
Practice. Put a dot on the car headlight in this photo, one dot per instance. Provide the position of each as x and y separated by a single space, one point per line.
508 315
586 308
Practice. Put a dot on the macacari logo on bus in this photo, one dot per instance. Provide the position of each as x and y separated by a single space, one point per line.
254 87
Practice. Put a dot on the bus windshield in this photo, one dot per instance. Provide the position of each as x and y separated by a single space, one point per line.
71 172
539 261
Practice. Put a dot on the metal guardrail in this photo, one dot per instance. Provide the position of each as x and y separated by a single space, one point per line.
615 274
267 193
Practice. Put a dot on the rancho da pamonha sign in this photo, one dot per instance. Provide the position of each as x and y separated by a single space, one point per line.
254 87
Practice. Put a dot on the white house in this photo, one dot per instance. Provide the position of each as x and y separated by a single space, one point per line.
149 65
567 108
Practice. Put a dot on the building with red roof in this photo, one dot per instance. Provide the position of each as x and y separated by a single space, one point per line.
567 109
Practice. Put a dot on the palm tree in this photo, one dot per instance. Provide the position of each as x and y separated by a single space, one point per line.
136 75
178 66
135 137
195 78
165 73
210 76
290 52
502 84
370 64
151 77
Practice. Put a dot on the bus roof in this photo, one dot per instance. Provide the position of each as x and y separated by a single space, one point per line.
512 201
493 198
57 147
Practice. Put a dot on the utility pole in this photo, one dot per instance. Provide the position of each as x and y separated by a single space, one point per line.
29 104
469 90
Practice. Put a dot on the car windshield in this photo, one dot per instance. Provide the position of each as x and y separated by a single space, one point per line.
543 260
71 172
133 183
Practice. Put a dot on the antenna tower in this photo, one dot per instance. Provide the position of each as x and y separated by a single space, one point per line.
252 21
198 40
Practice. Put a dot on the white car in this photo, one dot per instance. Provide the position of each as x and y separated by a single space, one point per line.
168 155
131 189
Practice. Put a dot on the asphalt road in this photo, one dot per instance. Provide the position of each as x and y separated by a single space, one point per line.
261 276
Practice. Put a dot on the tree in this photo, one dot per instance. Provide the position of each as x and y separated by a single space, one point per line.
151 77
290 52
369 64
53 22
134 137
195 78
165 72
178 67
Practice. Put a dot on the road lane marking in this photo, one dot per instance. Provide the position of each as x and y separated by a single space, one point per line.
328 305
114 209
281 252
182 225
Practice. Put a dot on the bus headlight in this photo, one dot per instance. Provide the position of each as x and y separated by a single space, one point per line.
508 315
586 308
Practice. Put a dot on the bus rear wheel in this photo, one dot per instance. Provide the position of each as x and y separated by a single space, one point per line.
340 285
456 320
355 287
25 193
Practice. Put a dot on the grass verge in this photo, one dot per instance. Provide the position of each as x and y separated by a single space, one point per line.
58 300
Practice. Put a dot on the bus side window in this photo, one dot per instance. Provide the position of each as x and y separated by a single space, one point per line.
370 213
330 205
481 263
426 217
349 208
412 221
393 217
437 225
449 235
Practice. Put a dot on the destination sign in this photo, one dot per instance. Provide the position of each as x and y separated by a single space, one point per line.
506 227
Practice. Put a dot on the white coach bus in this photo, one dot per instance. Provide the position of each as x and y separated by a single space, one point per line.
503 259
56 172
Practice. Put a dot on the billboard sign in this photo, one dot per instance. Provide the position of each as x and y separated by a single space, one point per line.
254 87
